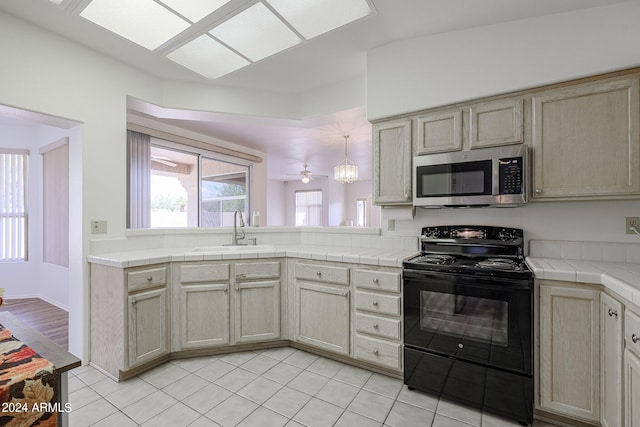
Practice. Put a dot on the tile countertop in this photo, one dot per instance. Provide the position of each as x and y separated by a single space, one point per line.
622 278
369 256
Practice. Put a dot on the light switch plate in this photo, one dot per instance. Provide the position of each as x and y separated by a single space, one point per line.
98 227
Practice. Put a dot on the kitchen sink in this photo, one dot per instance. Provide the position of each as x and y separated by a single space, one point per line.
232 248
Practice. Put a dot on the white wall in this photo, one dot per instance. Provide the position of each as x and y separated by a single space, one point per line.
276 205
437 70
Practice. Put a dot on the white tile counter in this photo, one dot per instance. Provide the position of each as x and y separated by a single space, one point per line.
369 256
622 278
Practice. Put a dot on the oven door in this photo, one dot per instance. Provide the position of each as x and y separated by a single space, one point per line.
478 319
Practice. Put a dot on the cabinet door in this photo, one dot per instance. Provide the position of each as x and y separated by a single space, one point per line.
611 361
322 316
570 352
439 132
632 389
586 141
496 123
392 163
204 315
147 326
257 311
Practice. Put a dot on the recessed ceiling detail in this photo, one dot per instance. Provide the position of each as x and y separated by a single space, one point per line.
217 37
144 22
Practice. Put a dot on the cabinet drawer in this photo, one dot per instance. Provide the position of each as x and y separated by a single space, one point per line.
147 278
632 332
381 326
381 280
204 273
257 270
383 353
386 304
323 273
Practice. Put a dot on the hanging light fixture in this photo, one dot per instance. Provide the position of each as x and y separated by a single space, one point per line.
347 171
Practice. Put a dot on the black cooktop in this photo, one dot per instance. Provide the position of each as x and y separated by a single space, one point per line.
472 250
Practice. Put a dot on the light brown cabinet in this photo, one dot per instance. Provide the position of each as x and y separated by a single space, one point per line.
227 303
392 161
495 123
611 315
569 351
129 318
586 142
322 306
438 132
632 389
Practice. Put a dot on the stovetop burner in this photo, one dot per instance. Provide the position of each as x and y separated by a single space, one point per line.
435 259
499 264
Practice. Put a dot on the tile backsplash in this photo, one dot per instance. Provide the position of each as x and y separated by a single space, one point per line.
586 251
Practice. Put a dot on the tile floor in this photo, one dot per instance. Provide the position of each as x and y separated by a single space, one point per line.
268 388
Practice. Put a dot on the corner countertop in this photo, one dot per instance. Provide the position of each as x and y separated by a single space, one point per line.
369 256
622 278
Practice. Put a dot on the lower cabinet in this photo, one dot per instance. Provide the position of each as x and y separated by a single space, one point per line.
611 316
632 389
322 316
226 303
148 332
570 351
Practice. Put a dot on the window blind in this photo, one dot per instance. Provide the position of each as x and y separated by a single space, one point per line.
13 205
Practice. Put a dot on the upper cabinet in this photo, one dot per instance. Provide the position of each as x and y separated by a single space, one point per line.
496 123
392 162
585 141
439 132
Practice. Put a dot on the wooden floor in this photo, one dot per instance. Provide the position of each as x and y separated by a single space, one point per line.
49 320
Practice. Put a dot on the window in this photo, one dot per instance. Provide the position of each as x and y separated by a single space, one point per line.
172 185
361 212
13 205
309 207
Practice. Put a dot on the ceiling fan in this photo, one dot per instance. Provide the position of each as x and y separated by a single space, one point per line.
163 160
306 175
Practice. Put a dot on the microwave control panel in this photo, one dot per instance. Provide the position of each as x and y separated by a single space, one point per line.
511 175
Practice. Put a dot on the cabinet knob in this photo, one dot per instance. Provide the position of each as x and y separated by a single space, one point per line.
375 326
134 301
538 191
375 352
375 303
226 290
149 279
613 313
318 273
406 196
344 294
635 338
376 281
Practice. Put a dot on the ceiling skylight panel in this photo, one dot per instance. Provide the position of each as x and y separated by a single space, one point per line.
144 22
195 10
206 56
314 17
256 33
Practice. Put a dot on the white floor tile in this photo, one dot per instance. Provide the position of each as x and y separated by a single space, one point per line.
300 359
214 370
371 405
263 417
185 386
325 367
178 415
308 382
384 385
236 379
403 414
443 421
416 398
339 393
207 398
260 390
318 413
287 401
233 410
357 377
459 412
351 419
129 392
282 373
238 359
259 364
148 407
91 413
82 397
170 374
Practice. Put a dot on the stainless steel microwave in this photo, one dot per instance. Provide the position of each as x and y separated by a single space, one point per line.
478 178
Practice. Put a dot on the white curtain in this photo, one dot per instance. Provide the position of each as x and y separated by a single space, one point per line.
309 207
138 178
13 205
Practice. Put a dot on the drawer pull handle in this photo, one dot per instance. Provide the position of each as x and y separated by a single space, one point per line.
538 191
375 303
375 326
613 313
375 352
149 279
134 301
225 290
635 338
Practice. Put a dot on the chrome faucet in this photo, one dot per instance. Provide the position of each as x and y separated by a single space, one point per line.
237 236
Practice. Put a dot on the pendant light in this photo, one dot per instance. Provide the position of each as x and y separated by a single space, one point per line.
347 171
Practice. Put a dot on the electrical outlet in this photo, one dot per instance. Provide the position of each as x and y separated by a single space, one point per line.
632 225
98 227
